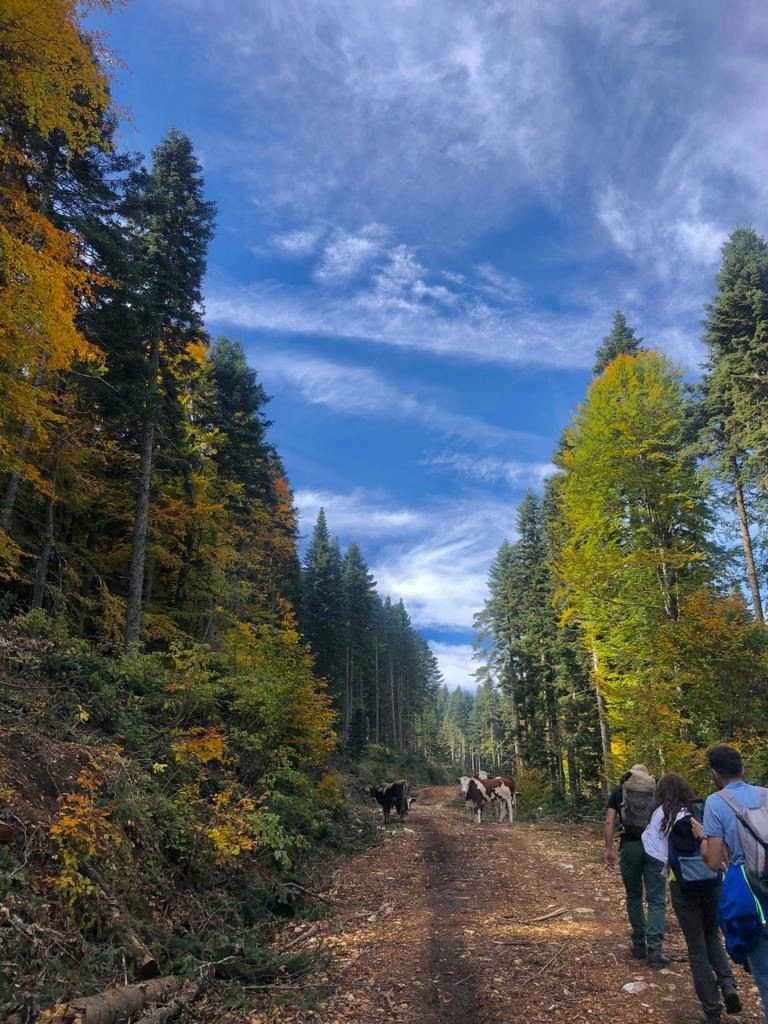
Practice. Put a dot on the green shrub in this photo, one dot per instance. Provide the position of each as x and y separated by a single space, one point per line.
39 625
536 795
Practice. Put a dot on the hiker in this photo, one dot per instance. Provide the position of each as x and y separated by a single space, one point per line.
744 899
695 892
630 804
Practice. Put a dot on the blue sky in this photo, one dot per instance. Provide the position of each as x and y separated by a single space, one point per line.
428 212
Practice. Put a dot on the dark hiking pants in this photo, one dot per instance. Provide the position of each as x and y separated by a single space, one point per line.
696 910
639 872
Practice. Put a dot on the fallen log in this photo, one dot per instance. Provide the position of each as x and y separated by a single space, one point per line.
114 1005
173 1009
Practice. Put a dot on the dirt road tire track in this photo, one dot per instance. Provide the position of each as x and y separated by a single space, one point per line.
447 922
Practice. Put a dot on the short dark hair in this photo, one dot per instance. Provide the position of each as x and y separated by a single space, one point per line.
725 760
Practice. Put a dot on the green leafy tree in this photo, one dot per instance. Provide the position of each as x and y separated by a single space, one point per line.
633 523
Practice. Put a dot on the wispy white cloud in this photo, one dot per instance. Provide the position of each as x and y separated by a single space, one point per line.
444 120
456 663
402 303
492 469
434 556
347 253
500 286
299 242
362 391
359 513
442 576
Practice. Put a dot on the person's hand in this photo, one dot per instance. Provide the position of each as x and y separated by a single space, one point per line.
698 829
609 858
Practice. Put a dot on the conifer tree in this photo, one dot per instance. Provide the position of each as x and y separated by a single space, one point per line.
621 341
359 614
174 225
734 388
321 606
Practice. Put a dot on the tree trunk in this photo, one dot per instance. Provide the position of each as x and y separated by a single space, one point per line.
746 541
376 721
605 739
12 488
393 700
44 558
113 1005
347 715
141 518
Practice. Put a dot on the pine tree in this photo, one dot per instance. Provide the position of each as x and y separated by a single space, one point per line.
621 341
175 224
359 615
244 453
322 607
734 389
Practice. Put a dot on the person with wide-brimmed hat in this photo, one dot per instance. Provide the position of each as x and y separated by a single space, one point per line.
629 806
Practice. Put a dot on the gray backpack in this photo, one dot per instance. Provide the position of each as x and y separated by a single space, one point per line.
752 824
636 810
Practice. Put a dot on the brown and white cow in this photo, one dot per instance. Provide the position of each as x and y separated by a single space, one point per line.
480 791
392 794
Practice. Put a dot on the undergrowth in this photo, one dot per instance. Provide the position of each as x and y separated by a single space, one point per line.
169 807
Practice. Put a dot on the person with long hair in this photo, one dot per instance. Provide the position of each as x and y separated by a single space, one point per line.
695 894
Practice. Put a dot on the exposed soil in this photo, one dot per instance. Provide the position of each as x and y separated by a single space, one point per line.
451 922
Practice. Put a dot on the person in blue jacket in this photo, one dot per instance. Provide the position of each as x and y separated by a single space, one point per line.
742 915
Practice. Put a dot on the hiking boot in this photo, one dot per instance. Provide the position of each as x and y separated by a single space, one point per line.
656 958
638 952
731 999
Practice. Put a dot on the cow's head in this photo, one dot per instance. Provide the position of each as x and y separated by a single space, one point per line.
464 781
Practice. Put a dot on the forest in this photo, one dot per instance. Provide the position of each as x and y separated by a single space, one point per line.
204 698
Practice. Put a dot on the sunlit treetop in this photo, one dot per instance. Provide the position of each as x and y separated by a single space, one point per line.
49 78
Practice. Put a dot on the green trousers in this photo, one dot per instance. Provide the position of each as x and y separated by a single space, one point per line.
640 872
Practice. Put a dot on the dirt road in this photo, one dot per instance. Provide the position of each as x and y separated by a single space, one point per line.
448 922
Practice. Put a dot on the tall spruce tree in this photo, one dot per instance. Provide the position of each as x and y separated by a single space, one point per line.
174 224
734 387
359 619
322 606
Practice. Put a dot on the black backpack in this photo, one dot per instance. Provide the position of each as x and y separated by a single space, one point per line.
685 860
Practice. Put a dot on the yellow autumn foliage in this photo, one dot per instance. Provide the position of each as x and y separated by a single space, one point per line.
199 744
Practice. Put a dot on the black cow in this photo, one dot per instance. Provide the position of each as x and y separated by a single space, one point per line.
392 794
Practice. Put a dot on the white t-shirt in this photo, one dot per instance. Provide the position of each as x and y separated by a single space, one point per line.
655 840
